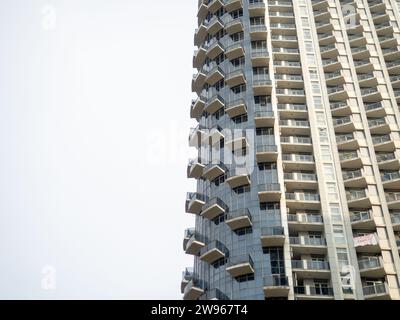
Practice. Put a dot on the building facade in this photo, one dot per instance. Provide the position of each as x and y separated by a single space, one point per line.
298 140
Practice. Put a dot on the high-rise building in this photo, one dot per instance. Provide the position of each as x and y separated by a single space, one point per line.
298 181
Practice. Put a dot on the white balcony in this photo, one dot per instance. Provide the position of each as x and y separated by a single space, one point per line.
305 222
269 192
238 219
307 245
264 118
358 198
235 51
213 252
195 169
240 265
303 200
213 170
236 108
367 243
272 237
238 177
308 269
362 220
266 153
214 208
195 202
276 286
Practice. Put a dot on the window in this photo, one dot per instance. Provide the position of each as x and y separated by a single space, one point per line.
335 212
328 172
270 206
332 192
262 100
338 234
239 89
277 261
247 277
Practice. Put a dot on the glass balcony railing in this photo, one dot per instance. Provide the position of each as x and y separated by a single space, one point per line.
309 218
307 241
358 216
392 196
371 263
382 157
378 288
310 265
355 195
297 157
302 196
388 176
276 280
314 291
349 175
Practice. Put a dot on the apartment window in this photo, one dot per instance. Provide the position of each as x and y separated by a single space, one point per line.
335 213
305 22
241 190
326 153
237 13
270 206
219 263
257 20
220 219
260 44
238 36
311 59
320 118
240 119
244 231
219 85
264 131
260 71
328 172
307 34
267 166
338 234
316 89
342 257
317 102
238 62
313 74
219 180
332 192
323 135
309 46
245 278
239 89
277 261
263 101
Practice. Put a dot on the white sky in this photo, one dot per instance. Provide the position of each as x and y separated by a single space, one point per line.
94 118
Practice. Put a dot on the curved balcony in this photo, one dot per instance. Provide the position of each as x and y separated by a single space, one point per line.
195 169
256 9
377 5
319 4
350 160
195 202
213 135
331 65
391 180
240 265
294 161
379 126
215 5
238 219
344 124
393 200
213 252
238 177
388 161
313 293
371 95
388 41
393 67
329 51
306 245
199 57
187 276
262 85
215 25
272 237
391 54
236 142
235 77
214 49
375 109
362 220
305 222
363 66
326 38
236 108
260 58
380 17
283 40
194 289
383 143
192 242
395 80
302 200
354 179
357 40
235 51
347 141
371 267
283 29
258 32
214 75
276 286
266 153
376 292
198 81
232 5
337 93
197 107
322 14
360 53
264 118
281 16
214 208
333 79
200 34
269 192
384 28
340 109
234 26
358 199
308 269
214 104
367 243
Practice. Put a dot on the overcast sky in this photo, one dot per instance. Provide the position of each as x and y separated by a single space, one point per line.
94 118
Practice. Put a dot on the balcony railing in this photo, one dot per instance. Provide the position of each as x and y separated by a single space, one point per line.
314 291
307 241
371 263
349 175
276 280
355 195
309 218
382 157
310 265
378 288
388 176
359 216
